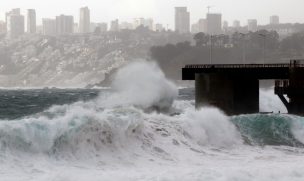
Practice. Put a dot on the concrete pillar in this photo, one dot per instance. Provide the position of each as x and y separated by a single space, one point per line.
296 91
233 95
214 89
246 96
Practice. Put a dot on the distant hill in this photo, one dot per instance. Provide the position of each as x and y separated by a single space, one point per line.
75 60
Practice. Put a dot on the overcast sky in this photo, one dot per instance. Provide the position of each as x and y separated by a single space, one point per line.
162 11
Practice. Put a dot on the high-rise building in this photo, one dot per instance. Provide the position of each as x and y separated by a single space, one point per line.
236 24
31 21
84 20
14 23
252 25
15 26
76 28
103 27
2 27
138 22
148 23
39 29
15 11
225 26
93 27
98 27
159 27
194 28
274 20
126 26
64 25
202 25
114 25
49 27
182 20
214 24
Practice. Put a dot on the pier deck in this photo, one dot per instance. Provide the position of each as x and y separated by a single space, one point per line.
234 88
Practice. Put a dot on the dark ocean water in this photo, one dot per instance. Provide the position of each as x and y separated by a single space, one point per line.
19 103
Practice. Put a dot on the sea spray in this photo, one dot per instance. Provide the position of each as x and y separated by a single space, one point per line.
83 130
269 102
211 127
116 120
142 84
96 140
297 128
113 137
87 142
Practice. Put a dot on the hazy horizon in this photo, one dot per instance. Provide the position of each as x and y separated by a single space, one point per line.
162 11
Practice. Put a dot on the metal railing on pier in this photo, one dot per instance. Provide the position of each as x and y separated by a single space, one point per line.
241 66
293 63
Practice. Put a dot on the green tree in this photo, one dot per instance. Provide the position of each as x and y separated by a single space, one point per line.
201 39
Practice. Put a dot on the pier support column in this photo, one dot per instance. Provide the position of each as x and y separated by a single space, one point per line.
246 96
230 94
296 91
214 89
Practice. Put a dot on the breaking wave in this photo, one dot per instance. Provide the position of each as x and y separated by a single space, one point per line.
118 122
117 128
272 129
141 126
142 84
86 130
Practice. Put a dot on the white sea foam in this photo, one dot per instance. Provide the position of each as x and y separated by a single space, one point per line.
114 138
84 135
84 141
142 84
269 102
297 128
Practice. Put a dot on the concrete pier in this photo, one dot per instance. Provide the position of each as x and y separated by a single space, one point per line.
293 88
235 88
214 90
233 95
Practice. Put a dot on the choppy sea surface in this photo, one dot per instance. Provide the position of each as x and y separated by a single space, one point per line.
148 130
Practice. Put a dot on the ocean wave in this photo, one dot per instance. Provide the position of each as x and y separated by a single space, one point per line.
118 121
270 129
84 129
123 135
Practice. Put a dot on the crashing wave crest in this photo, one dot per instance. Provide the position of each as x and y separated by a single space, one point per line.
115 124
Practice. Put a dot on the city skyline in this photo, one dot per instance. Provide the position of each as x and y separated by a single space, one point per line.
127 10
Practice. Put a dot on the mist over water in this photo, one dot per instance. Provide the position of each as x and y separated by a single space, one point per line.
269 102
114 137
143 84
